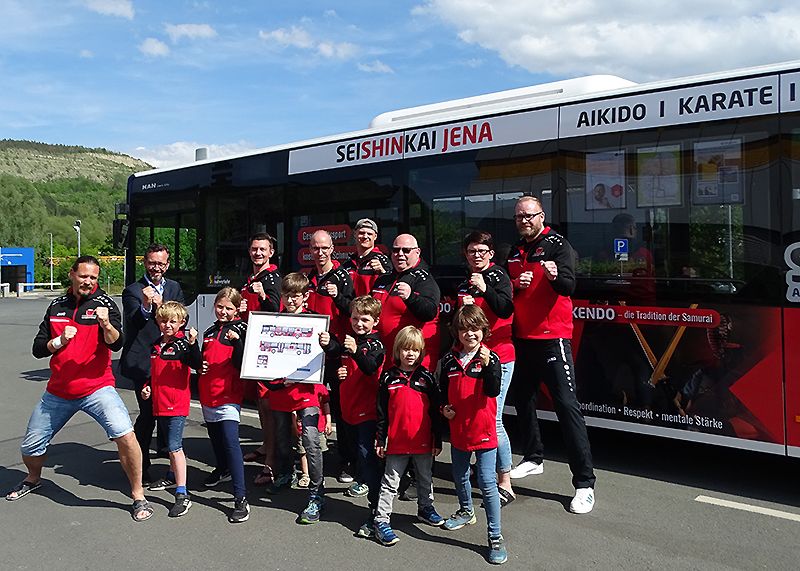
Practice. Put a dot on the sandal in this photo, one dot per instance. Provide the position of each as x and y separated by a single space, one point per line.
255 456
141 508
23 489
263 478
506 497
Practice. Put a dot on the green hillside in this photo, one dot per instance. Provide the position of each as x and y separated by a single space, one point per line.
45 188
42 162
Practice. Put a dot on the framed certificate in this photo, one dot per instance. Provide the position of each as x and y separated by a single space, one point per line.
284 346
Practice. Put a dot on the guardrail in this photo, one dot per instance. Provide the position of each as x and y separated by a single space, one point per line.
21 286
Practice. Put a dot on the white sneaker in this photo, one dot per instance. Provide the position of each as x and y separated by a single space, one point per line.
583 502
527 468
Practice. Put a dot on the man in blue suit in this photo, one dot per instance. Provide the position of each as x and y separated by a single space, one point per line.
140 301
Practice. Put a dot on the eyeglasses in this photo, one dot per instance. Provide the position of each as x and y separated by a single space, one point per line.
480 252
526 216
161 265
320 248
406 251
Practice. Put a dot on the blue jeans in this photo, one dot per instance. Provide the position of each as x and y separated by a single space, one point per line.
367 465
503 443
52 413
487 482
172 429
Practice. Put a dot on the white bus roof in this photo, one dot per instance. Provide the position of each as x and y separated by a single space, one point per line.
543 95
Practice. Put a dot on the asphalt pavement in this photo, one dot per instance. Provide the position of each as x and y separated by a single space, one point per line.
660 504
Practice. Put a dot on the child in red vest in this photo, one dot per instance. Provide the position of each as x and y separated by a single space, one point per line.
171 360
408 429
469 380
221 391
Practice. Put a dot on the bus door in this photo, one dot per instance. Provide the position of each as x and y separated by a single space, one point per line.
791 310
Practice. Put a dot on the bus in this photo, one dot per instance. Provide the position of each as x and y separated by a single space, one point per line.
681 199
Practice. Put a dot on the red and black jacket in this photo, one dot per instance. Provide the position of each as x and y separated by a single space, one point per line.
359 391
83 365
472 392
421 309
408 420
170 369
361 274
544 309
497 302
338 308
270 279
221 383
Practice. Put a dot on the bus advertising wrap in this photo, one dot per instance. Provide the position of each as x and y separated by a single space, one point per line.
442 139
713 371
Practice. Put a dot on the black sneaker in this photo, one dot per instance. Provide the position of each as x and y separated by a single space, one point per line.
217 477
241 511
181 505
161 484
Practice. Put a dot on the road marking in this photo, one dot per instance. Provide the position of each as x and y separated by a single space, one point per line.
243 413
748 508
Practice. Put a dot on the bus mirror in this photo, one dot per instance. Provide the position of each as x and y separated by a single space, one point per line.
120 233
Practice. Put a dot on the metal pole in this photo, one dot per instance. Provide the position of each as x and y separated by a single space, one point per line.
51 261
79 241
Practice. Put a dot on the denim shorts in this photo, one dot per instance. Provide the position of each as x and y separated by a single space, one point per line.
172 429
52 413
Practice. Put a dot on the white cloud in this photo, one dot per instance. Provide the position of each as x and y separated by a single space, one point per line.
640 40
87 54
191 31
341 50
299 37
121 8
182 152
376 66
295 37
154 48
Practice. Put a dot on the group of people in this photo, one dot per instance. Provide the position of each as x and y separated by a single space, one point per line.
389 386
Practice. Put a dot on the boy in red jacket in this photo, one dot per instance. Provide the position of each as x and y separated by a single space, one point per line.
287 397
469 380
172 358
361 357
408 429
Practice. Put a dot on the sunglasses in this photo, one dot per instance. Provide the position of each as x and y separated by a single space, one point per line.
406 251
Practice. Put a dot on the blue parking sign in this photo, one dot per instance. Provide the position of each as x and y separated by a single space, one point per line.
620 245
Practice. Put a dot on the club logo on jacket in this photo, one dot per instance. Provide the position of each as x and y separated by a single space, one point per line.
539 252
475 369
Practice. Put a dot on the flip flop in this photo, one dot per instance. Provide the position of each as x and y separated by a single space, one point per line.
22 489
141 506
255 456
506 497
263 478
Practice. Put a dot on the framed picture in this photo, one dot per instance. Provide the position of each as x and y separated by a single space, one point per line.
718 172
284 346
605 180
658 176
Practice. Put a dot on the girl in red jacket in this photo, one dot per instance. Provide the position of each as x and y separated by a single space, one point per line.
469 380
172 358
221 391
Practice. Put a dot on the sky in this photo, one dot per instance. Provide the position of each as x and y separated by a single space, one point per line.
156 79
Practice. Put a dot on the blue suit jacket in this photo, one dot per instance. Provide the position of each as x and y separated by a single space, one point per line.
141 331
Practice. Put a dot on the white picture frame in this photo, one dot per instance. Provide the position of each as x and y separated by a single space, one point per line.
284 346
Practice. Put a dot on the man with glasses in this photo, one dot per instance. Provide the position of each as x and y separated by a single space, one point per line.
409 296
330 293
140 300
541 267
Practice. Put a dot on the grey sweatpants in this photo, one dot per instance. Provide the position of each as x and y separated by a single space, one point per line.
395 467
